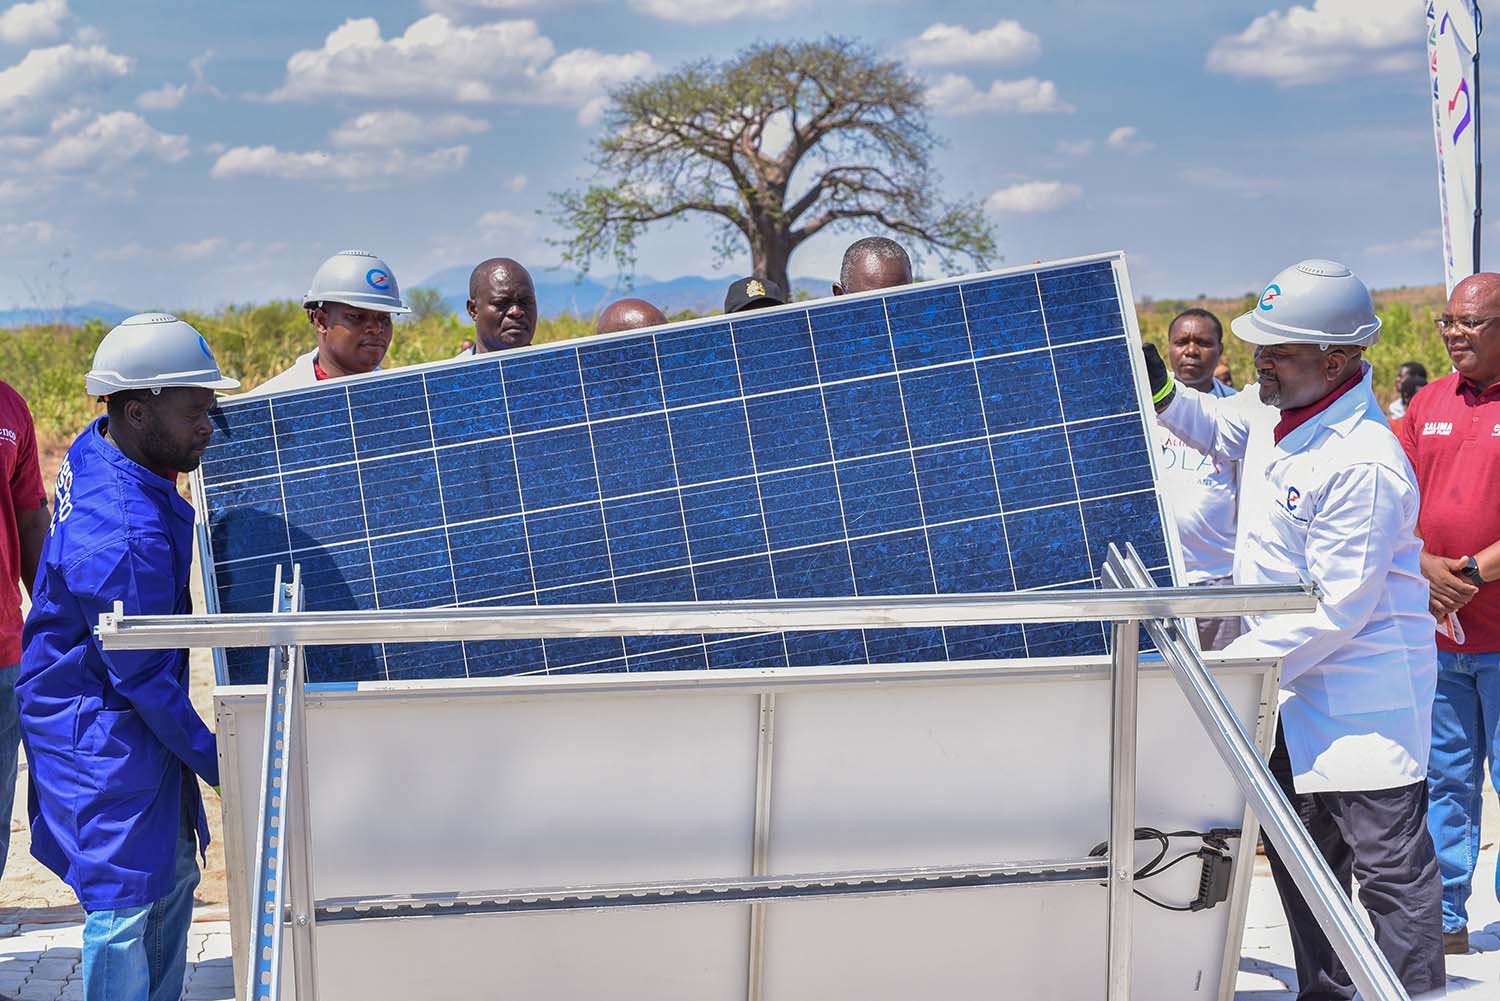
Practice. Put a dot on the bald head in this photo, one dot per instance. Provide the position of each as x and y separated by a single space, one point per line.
1473 340
502 304
873 263
628 314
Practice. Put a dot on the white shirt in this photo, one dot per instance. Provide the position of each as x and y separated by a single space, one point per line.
1338 508
301 374
1202 493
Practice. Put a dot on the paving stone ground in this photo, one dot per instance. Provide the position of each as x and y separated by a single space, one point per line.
42 962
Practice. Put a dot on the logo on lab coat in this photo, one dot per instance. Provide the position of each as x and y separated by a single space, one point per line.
64 499
1293 495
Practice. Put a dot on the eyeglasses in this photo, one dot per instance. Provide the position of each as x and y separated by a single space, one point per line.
1468 324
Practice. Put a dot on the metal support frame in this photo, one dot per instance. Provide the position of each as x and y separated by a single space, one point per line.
1335 912
283 871
1132 600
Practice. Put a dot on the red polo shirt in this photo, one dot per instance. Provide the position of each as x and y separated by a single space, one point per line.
23 492
1452 438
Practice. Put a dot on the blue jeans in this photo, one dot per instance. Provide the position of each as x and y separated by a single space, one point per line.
10 753
1465 732
140 953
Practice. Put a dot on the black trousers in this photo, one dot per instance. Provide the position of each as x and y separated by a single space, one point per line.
1380 838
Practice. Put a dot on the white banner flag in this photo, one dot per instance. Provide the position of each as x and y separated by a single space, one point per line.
1452 39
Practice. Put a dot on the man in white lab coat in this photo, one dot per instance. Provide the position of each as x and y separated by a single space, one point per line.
350 303
1358 674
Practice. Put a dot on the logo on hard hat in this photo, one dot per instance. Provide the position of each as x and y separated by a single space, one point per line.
1272 291
1293 495
378 279
207 351
754 288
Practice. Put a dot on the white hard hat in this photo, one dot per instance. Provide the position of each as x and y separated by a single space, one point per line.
1314 302
154 351
356 278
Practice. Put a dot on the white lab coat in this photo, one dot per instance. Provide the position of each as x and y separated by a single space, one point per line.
1339 508
301 374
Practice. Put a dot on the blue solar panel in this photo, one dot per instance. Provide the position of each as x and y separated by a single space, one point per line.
980 434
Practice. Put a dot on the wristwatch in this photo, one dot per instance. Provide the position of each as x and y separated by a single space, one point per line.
1471 571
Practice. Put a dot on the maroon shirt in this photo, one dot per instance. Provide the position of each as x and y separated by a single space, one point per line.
1451 435
22 492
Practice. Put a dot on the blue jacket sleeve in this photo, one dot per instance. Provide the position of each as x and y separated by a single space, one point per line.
139 573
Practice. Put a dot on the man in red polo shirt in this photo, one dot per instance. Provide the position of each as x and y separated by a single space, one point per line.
23 529
1451 435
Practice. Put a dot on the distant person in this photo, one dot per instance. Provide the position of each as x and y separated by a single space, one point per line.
502 304
1201 491
466 346
628 314
350 303
1410 377
1223 373
1451 434
23 529
873 262
114 744
753 293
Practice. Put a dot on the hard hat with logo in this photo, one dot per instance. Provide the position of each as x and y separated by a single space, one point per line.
356 278
154 351
1314 302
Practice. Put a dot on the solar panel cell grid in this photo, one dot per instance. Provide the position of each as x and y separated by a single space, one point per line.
974 435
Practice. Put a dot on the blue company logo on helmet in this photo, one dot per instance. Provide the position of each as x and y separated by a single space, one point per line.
203 346
1293 495
378 279
1268 296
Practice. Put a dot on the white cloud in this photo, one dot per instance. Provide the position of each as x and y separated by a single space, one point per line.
1082 147
472 9
508 61
953 94
1127 138
359 165
583 77
499 222
1332 39
46 78
37 231
163 98
85 141
125 252
402 128
1427 240
954 45
29 23
1033 197
200 249
709 11
1219 179
518 182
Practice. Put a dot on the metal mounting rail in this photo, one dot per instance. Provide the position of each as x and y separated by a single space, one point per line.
715 891
118 631
1350 939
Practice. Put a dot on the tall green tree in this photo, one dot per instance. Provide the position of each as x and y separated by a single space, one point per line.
775 145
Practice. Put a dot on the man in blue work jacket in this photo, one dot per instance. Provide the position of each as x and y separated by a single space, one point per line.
112 739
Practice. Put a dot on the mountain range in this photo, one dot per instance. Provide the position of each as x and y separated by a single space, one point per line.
558 291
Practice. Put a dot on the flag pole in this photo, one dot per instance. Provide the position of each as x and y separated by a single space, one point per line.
1478 154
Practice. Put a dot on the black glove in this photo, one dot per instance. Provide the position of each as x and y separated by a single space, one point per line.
1157 375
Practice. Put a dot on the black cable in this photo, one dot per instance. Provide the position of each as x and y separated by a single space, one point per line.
1216 840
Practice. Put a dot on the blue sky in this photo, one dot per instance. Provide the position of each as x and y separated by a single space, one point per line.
175 153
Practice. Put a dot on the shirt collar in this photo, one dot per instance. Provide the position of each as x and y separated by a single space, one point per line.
1464 386
1343 407
110 453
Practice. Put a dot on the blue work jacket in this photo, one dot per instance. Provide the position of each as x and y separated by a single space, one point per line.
107 733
